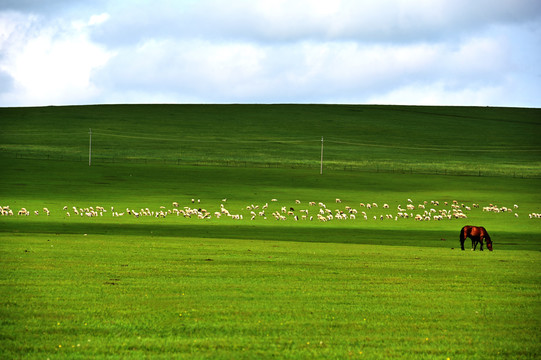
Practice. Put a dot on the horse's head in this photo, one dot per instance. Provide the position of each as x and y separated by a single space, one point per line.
489 244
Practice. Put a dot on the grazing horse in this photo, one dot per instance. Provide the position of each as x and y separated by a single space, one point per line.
477 234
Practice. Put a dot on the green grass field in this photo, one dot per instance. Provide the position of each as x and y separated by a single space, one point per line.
413 139
176 287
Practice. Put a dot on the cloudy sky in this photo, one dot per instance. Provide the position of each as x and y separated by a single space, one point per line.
434 52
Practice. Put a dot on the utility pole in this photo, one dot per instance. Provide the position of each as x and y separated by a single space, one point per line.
321 166
90 149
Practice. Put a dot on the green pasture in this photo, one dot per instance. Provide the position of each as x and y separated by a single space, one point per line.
117 296
412 139
125 287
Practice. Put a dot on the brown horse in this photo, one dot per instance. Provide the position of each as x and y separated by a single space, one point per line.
477 234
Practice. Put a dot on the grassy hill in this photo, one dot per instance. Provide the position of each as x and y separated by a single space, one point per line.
144 156
455 140
105 287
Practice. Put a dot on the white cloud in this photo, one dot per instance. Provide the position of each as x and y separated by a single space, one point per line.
50 64
98 19
313 71
392 21
440 93
388 51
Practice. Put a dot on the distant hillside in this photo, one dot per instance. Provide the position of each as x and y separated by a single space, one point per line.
468 140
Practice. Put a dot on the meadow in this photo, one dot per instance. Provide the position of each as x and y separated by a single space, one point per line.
110 287
412 139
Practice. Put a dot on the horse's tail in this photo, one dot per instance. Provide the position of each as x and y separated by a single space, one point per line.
462 237
488 240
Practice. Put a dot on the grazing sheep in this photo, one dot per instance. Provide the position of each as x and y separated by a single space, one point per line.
23 212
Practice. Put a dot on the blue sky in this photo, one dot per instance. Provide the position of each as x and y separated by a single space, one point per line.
422 52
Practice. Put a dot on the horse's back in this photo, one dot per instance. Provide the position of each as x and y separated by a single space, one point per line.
466 230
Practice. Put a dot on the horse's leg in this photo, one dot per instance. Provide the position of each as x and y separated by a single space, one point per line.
473 244
462 238
481 243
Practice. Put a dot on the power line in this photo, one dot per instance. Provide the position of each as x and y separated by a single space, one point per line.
203 140
433 148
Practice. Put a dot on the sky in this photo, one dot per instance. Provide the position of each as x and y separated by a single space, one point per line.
416 52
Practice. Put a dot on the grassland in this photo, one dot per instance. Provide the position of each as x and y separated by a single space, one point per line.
125 287
459 140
